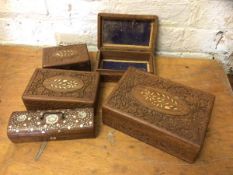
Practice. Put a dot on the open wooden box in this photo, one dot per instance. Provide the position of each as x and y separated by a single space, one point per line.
123 41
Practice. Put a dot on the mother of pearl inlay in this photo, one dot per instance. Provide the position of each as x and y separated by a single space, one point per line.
51 119
71 120
82 114
21 118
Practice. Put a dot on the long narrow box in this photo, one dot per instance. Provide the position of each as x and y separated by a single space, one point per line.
162 113
29 126
60 89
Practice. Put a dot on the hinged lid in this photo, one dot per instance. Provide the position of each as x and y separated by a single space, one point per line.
126 32
65 55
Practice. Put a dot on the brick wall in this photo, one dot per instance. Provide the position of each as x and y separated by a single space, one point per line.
190 28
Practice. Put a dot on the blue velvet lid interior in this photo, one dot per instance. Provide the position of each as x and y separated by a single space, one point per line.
126 32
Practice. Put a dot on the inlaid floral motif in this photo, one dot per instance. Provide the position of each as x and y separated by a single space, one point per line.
160 100
63 83
64 53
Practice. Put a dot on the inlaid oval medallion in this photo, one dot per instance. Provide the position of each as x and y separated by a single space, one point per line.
64 53
63 83
160 100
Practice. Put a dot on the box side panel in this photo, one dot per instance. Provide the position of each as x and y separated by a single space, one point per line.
110 76
87 133
156 138
30 82
47 105
84 66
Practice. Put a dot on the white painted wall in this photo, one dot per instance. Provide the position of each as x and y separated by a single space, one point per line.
190 28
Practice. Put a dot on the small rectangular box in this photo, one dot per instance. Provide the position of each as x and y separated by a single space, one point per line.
162 113
125 40
71 57
60 89
31 126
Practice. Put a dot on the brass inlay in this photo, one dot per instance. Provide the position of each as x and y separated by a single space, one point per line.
160 100
63 83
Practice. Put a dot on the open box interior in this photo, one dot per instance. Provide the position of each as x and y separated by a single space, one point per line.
120 61
125 41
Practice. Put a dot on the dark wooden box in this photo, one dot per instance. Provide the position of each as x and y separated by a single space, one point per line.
29 126
162 113
60 89
125 40
71 57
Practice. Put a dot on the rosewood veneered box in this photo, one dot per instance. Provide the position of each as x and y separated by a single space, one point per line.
31 126
160 112
125 40
71 57
60 89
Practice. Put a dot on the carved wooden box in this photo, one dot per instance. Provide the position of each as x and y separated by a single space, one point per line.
60 89
71 57
162 113
29 126
123 41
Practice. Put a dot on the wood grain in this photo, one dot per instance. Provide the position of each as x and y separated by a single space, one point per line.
113 152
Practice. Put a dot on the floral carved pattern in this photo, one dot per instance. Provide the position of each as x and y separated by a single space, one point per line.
135 96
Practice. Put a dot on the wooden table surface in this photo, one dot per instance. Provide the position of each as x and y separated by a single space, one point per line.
113 152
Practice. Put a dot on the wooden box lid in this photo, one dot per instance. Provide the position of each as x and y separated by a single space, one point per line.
127 32
162 113
57 88
65 55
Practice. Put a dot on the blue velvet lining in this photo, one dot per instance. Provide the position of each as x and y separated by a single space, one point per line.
113 65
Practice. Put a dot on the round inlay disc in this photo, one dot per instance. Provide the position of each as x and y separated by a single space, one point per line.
21 118
51 119
82 114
